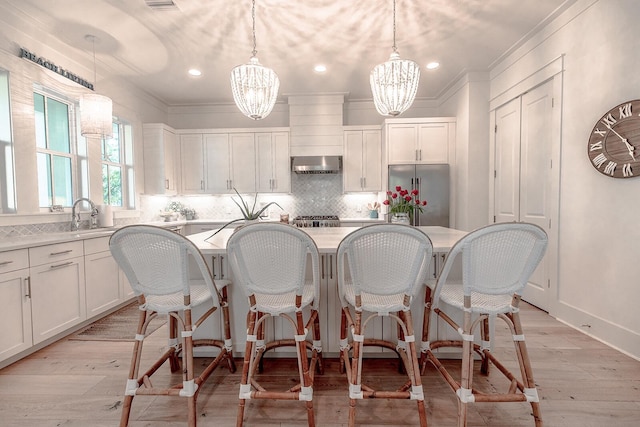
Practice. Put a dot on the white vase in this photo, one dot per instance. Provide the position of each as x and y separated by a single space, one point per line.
400 218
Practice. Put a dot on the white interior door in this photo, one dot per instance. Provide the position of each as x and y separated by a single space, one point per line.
507 163
523 178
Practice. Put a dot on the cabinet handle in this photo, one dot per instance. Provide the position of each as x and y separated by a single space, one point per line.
364 180
5 263
221 271
64 264
322 267
213 266
202 185
166 184
416 154
27 281
421 154
61 252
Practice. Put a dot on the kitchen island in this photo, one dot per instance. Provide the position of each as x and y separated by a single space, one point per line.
327 239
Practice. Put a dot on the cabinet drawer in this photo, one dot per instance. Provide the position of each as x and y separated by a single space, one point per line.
52 253
14 260
99 244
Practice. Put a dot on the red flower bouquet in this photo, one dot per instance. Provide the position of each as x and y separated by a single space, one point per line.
404 201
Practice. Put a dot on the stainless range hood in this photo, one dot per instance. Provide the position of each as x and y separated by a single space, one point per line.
316 164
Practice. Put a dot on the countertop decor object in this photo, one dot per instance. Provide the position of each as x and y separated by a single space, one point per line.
405 202
249 215
373 209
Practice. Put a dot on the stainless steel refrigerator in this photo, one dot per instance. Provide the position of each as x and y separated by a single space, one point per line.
432 182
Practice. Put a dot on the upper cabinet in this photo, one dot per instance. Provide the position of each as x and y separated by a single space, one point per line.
192 163
230 162
419 141
273 173
160 150
215 162
362 159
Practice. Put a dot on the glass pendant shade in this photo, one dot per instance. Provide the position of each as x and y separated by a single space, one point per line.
255 89
394 85
96 116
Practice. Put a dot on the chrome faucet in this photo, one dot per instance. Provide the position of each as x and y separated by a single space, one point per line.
75 217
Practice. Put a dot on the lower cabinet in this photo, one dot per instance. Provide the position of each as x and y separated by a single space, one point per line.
15 315
102 277
47 290
57 289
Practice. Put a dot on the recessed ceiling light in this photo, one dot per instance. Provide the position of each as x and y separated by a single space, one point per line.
320 68
433 65
195 72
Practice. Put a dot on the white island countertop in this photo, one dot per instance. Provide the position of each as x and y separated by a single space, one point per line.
326 238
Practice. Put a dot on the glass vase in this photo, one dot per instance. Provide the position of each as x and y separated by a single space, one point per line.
400 218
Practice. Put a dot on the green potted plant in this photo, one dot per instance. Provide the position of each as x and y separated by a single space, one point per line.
248 214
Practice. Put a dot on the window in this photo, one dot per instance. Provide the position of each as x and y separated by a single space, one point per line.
7 190
117 167
55 155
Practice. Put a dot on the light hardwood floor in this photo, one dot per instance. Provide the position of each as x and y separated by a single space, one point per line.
581 381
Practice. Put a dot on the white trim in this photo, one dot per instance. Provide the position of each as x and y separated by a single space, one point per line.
536 78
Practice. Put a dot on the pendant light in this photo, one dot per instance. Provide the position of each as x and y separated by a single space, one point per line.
95 110
255 87
394 83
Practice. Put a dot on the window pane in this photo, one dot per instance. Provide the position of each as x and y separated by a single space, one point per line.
62 180
38 107
111 147
105 183
115 186
58 126
44 180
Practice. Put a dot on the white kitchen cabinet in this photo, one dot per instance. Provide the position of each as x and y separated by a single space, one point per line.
160 150
272 162
15 315
192 164
58 299
102 277
362 160
230 162
419 141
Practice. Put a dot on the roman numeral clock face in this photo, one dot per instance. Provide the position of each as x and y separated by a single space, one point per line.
614 143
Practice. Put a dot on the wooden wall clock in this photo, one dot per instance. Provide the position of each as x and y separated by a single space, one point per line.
614 143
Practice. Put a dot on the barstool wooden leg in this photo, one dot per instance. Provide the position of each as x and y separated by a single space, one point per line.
425 328
135 364
248 354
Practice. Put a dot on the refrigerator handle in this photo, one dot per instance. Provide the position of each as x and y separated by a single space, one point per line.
416 218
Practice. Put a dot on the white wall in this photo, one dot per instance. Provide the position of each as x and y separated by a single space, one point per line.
598 277
467 101
129 103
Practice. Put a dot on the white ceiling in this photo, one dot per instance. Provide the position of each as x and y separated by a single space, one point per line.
154 49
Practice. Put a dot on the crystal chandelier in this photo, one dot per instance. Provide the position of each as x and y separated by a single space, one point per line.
255 88
95 110
394 83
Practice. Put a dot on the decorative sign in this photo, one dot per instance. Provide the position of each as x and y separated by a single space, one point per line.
24 53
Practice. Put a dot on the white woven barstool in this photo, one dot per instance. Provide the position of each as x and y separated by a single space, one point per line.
156 263
497 262
380 270
269 261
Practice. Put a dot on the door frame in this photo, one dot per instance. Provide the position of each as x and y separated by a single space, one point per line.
553 71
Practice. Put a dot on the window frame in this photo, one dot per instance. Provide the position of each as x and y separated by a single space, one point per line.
124 131
76 186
